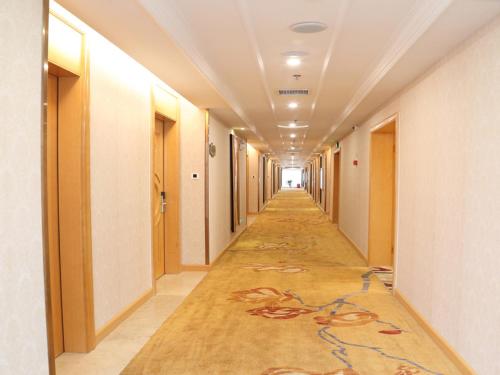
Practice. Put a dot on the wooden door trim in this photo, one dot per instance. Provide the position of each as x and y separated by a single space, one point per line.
389 120
335 205
76 266
207 189
43 167
162 107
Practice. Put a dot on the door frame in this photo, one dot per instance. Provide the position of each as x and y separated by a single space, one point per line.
165 106
391 119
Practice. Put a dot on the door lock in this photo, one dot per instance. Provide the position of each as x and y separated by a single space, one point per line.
163 202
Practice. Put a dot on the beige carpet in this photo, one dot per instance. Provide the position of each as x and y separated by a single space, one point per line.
291 296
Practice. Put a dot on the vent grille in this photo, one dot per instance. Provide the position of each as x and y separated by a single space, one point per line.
291 92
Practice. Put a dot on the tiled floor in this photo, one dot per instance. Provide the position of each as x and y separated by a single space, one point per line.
116 350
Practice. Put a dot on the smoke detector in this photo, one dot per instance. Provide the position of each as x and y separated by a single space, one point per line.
294 53
308 27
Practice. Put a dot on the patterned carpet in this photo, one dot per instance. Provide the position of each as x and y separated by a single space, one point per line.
291 296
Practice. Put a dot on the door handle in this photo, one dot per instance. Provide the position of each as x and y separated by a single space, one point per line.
163 202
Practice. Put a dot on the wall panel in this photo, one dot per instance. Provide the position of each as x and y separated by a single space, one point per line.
23 342
448 176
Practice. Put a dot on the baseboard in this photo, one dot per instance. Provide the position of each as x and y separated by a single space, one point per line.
233 240
264 206
321 208
353 244
454 357
195 267
120 317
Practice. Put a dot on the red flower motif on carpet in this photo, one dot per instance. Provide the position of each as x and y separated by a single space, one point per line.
283 268
279 312
357 318
269 296
391 331
299 371
407 370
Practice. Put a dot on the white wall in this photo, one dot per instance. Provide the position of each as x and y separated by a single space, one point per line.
23 342
329 180
253 179
269 181
261 182
242 175
219 189
447 247
192 120
120 122
120 166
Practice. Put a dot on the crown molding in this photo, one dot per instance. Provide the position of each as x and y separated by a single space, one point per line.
423 16
168 16
250 30
338 24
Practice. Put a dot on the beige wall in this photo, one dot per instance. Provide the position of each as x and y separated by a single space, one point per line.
253 179
447 244
23 342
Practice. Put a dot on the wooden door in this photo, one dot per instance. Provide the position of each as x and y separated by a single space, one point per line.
53 215
336 187
382 191
159 199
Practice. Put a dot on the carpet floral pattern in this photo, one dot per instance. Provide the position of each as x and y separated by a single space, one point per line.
291 296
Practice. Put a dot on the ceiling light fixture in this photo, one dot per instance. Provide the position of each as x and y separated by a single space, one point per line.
309 27
293 125
293 61
292 105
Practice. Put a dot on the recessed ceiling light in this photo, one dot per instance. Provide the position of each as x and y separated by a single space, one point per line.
293 135
309 27
294 53
292 105
293 61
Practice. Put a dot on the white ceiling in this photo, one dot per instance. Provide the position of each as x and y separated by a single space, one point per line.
227 55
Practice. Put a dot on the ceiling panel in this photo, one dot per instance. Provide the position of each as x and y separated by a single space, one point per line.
228 55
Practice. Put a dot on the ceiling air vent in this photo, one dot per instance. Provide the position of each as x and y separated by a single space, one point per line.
291 92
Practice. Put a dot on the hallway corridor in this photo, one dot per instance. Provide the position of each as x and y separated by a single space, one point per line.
290 296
